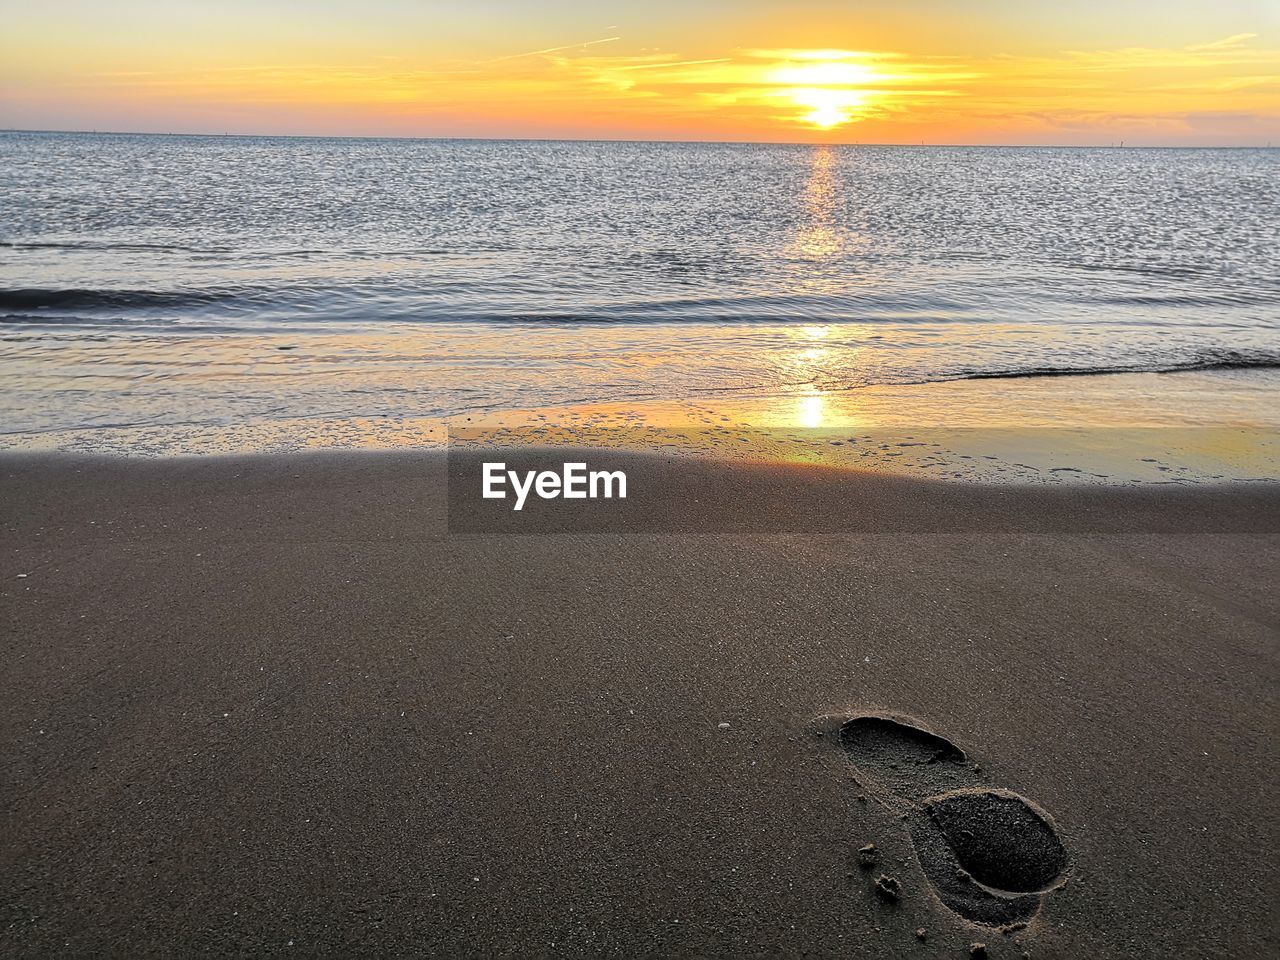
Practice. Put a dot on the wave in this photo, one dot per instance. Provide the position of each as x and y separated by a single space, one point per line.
45 298
1229 299
445 298
1218 360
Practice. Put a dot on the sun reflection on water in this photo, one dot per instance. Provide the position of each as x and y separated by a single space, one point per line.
811 410
817 237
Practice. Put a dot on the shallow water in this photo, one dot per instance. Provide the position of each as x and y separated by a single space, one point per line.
193 283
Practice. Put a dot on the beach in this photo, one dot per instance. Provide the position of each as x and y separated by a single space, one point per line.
273 705
697 480
938 618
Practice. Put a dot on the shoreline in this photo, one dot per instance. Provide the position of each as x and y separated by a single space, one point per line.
269 705
1142 428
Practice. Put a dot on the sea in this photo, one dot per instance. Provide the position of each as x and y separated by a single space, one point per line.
222 283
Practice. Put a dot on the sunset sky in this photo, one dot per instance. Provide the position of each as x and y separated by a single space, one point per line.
993 71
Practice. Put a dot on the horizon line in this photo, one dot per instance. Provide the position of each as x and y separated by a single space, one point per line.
1120 145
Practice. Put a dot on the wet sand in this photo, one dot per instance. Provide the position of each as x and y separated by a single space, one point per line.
272 706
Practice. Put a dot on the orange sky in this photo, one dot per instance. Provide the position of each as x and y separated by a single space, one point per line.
1178 72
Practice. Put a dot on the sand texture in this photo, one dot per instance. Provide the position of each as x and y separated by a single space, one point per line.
271 706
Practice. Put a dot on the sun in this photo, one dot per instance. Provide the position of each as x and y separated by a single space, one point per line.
827 108
832 92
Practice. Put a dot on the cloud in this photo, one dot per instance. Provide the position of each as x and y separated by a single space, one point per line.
538 53
746 92
1232 41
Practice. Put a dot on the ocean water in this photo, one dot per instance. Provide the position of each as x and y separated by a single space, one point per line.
155 282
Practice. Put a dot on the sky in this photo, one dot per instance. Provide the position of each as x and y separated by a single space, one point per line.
1176 72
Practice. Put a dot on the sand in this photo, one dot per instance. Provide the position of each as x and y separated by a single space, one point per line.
272 706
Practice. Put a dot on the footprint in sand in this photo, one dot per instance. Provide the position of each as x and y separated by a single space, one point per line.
991 855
